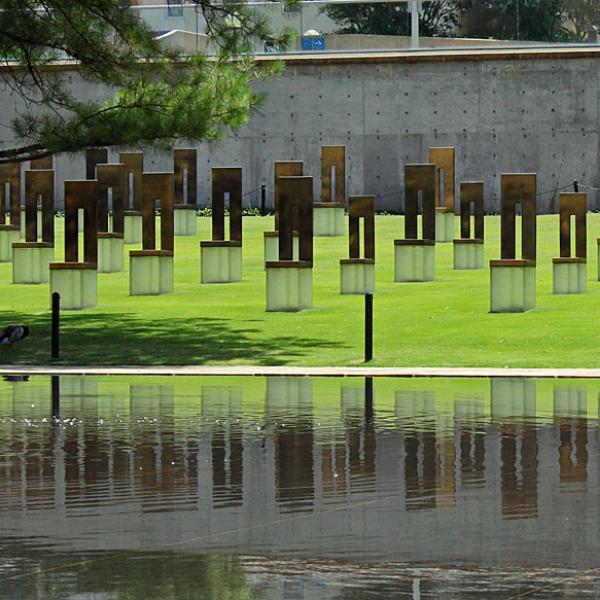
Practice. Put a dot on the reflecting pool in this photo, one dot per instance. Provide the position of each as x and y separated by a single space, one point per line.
299 488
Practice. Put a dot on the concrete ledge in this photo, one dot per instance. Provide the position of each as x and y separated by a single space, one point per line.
261 371
529 52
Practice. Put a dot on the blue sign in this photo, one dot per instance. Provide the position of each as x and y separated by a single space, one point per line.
312 43
307 43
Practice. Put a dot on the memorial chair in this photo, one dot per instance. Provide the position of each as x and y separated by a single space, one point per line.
414 256
289 280
111 178
132 218
76 281
151 270
569 273
10 186
287 168
357 275
221 259
185 202
445 192
328 214
468 251
512 279
31 258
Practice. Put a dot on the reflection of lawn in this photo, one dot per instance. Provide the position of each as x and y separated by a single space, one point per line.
441 323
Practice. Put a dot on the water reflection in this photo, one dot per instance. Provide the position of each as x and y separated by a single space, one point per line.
491 474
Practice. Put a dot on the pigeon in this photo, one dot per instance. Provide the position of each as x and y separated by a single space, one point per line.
12 334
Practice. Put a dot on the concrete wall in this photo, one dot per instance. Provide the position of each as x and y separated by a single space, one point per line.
510 110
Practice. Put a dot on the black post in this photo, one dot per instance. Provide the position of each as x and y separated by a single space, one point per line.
368 327
55 324
576 186
263 199
55 397
368 399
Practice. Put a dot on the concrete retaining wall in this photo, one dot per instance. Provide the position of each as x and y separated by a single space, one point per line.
510 110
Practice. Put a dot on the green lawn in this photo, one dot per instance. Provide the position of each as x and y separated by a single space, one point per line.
443 323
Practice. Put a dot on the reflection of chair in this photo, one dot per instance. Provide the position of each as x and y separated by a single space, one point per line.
285 394
151 400
513 398
570 402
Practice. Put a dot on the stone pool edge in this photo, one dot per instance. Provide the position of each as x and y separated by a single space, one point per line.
264 371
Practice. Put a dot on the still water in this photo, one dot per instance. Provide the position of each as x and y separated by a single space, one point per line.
296 488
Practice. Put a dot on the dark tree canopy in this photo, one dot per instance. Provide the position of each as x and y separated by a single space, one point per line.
535 20
153 95
438 18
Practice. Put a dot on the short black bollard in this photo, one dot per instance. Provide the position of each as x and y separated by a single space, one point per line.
263 199
55 352
576 186
368 327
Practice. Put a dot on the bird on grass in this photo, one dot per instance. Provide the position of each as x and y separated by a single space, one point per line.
13 334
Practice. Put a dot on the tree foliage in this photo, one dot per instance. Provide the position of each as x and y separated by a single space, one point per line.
438 18
579 16
153 95
537 20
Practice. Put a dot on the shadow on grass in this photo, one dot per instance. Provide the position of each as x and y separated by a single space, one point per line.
121 339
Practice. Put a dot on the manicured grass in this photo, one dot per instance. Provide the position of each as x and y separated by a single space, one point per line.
443 323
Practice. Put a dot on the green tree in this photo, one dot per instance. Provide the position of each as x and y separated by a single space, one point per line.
438 18
151 95
535 20
579 16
